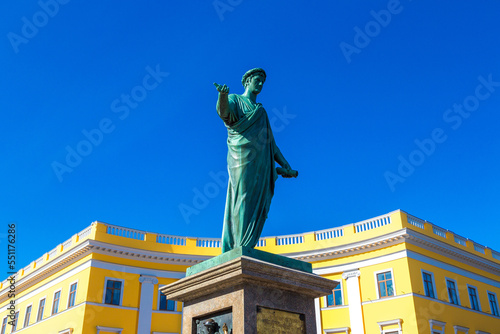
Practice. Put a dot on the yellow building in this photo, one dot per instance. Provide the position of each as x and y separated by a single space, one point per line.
398 274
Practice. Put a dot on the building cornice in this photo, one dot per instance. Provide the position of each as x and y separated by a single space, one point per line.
404 235
90 246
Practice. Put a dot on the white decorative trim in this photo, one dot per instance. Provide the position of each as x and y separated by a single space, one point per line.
461 328
453 269
481 332
349 274
361 264
394 322
109 329
66 331
148 279
138 270
317 315
337 330
438 323
380 300
106 279
354 297
112 306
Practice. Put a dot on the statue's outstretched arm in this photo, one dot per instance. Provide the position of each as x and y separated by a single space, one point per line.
222 107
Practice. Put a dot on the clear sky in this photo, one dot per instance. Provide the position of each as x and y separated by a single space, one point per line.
109 113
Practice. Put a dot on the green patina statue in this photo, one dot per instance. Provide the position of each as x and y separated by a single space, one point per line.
252 152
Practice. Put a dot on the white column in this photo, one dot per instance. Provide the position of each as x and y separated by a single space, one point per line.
146 303
318 316
354 297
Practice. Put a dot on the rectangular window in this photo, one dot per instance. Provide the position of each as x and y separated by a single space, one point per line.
72 295
27 317
335 299
166 304
385 285
41 308
113 292
474 304
493 303
55 304
4 325
452 292
16 318
428 285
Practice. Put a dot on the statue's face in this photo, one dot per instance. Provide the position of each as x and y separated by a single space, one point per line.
255 84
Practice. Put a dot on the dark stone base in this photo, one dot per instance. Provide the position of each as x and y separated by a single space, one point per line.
245 287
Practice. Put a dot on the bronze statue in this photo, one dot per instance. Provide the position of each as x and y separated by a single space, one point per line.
251 157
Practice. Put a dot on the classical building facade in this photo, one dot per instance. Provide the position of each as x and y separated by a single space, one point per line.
397 274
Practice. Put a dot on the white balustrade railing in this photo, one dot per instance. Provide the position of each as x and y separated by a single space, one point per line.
372 223
52 253
86 232
290 239
329 234
208 242
39 261
27 268
496 255
171 240
479 248
125 232
416 221
439 231
460 240
67 244
261 243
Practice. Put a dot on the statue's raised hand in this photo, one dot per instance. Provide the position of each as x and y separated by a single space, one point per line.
223 89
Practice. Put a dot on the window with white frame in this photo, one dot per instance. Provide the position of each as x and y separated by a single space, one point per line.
428 281
4 325
41 309
437 327
27 316
390 326
16 319
473 298
335 299
55 302
385 283
72 294
492 299
165 304
113 291
461 330
451 286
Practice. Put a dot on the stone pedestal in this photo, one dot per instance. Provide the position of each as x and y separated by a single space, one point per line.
250 295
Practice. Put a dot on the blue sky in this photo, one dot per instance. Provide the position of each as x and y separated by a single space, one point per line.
380 105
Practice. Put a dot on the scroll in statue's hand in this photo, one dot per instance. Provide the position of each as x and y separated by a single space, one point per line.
287 172
223 89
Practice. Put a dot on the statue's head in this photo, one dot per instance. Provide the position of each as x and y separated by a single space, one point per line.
253 80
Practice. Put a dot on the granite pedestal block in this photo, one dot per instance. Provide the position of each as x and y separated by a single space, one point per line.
253 295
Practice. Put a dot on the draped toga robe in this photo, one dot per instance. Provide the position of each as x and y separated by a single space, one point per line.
252 173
